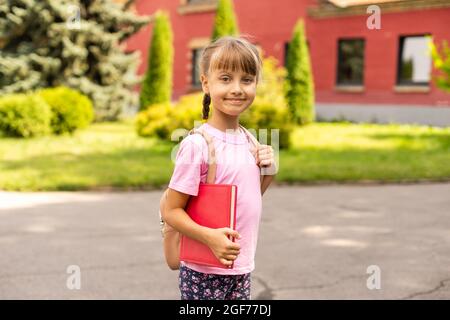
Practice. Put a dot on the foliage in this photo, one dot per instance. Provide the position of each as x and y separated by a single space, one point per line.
24 115
157 85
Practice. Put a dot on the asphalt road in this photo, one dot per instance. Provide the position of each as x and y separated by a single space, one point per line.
316 242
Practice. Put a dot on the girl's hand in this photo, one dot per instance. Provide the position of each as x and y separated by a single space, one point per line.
223 248
265 160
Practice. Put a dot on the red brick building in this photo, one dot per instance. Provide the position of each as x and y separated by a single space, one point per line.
367 65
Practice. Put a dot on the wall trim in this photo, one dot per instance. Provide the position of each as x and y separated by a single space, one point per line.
329 10
192 8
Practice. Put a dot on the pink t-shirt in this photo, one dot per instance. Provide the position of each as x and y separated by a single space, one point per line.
235 165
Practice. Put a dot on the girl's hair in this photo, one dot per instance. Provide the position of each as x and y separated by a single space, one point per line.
231 54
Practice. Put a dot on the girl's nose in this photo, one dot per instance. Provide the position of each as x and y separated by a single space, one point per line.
236 88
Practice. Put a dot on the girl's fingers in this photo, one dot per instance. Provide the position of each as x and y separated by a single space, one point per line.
266 157
265 147
265 163
233 252
265 152
225 262
234 246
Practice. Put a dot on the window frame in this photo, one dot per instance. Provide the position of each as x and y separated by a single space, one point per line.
195 66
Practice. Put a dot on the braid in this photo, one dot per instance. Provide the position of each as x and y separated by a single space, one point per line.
206 103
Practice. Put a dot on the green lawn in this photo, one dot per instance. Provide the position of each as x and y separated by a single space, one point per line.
111 155
359 152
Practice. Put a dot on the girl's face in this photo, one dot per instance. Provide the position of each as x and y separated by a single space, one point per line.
232 92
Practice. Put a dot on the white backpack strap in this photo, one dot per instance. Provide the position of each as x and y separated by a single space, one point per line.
212 166
250 137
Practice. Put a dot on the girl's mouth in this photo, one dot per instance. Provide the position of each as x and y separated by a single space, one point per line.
235 101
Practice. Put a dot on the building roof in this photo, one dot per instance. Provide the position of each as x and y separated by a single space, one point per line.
341 8
350 3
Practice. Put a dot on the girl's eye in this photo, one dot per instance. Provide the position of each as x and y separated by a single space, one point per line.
225 79
248 80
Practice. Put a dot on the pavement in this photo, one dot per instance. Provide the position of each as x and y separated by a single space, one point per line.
315 242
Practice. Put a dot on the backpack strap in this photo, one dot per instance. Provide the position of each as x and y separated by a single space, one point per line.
251 138
263 170
212 165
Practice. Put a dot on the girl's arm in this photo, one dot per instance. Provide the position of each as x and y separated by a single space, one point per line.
216 239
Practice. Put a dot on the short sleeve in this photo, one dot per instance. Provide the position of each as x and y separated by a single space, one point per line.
190 165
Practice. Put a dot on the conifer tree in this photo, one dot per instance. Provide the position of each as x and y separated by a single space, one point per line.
300 86
225 23
157 85
75 43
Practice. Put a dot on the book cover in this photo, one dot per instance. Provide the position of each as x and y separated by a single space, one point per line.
213 207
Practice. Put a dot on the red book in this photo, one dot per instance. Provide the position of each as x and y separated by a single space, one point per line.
213 207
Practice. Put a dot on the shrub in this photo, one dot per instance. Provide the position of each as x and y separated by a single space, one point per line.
264 114
155 121
161 120
188 111
441 62
71 110
24 115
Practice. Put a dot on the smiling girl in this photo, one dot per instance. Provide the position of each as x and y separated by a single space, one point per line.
230 71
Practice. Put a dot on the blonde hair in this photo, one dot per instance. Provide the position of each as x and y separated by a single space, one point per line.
230 54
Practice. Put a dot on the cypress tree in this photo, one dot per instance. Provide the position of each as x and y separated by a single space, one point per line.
225 23
300 86
157 85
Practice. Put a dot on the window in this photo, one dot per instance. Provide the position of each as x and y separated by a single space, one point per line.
414 61
350 62
196 55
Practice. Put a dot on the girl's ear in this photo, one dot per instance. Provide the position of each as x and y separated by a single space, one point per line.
204 81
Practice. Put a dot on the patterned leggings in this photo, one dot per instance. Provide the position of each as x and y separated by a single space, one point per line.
202 286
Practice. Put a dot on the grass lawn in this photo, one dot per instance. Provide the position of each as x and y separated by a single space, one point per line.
359 152
111 155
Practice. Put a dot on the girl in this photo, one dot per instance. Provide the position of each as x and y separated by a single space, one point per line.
230 70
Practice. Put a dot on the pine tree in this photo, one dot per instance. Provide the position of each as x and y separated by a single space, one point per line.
76 43
300 86
157 86
225 22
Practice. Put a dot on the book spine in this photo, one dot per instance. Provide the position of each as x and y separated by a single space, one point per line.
233 213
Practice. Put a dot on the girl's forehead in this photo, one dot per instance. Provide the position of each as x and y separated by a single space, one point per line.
231 71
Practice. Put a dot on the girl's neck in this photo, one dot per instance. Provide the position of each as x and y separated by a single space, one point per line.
224 122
